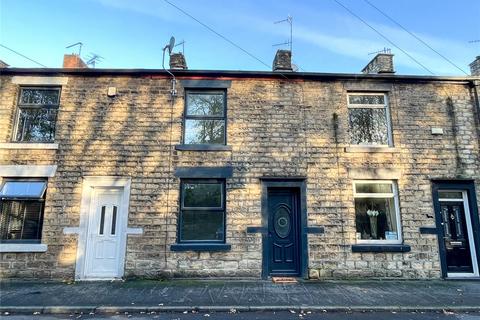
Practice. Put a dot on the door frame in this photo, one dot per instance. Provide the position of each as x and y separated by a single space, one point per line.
461 185
301 185
89 185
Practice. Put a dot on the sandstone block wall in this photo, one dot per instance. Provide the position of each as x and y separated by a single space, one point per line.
275 127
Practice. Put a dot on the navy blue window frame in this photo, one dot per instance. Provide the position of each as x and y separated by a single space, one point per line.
41 200
201 209
199 117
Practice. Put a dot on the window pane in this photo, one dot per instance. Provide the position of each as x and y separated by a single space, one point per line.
36 124
20 220
366 99
23 189
204 131
205 104
376 219
202 225
202 195
450 195
39 96
368 126
373 188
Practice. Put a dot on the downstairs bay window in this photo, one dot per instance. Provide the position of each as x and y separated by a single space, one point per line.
377 214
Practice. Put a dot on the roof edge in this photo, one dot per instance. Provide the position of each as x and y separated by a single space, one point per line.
229 73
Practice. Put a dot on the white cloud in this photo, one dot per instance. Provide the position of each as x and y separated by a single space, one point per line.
341 34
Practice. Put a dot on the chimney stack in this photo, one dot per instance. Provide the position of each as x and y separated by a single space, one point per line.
381 63
178 62
73 61
282 61
475 67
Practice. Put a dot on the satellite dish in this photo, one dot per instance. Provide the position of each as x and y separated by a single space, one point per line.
171 45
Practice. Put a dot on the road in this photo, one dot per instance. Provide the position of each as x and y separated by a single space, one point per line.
284 315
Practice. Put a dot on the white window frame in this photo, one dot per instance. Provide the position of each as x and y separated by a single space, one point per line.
31 171
396 202
385 106
471 240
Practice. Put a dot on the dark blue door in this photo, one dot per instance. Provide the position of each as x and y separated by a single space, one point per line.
283 232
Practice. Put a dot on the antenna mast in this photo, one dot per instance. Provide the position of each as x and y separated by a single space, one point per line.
290 42
384 50
183 46
79 44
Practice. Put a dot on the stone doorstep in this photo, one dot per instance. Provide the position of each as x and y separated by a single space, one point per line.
284 280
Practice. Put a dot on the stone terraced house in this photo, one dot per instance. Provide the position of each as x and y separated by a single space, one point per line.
118 173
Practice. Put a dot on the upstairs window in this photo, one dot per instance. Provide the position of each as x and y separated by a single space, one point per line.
37 114
21 210
202 214
205 117
369 119
377 214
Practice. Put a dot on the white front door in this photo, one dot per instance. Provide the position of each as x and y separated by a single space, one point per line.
104 243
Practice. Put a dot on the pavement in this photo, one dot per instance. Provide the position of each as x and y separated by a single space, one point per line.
146 296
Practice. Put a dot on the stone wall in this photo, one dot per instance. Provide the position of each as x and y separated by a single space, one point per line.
275 127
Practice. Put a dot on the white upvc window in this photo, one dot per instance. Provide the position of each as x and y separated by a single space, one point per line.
377 212
369 119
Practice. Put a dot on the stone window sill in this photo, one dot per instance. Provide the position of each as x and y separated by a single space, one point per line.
370 149
203 147
23 247
380 248
200 247
23 145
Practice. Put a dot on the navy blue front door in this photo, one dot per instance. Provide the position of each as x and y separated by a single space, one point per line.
283 232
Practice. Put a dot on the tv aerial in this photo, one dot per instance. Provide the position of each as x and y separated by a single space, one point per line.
289 20
181 43
384 50
79 44
93 59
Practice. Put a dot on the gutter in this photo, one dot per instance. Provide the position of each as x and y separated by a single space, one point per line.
231 74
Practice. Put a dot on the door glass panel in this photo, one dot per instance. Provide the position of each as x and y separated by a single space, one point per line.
282 222
102 219
450 194
114 219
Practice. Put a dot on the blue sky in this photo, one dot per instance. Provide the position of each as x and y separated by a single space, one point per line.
132 33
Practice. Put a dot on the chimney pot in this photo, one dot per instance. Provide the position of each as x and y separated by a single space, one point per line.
381 63
73 61
177 61
475 67
282 61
